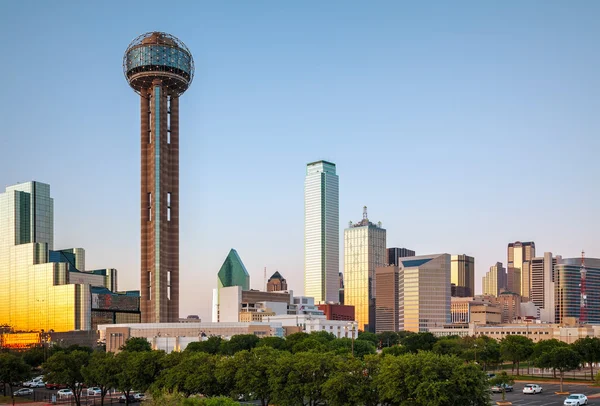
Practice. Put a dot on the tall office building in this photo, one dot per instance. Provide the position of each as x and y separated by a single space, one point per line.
520 255
567 289
232 273
46 289
160 68
424 293
364 251
494 280
387 291
513 280
393 254
321 232
462 275
542 285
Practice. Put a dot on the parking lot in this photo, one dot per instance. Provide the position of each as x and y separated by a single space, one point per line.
547 397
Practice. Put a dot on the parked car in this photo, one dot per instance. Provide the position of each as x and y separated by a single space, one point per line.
56 386
64 393
139 396
132 398
576 399
532 388
28 384
24 392
490 375
498 388
94 391
38 384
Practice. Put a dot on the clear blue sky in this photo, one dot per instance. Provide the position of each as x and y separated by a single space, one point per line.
461 125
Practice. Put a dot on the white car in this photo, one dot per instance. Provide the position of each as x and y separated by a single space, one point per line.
28 384
94 391
532 388
38 384
64 393
576 399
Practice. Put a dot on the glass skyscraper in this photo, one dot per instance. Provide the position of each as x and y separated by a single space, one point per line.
567 289
42 288
520 255
321 232
364 251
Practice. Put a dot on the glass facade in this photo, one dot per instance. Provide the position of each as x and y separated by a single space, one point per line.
567 296
424 292
321 232
462 275
159 58
364 251
40 289
494 280
233 272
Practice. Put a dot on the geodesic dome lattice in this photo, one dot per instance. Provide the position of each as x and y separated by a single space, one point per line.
158 55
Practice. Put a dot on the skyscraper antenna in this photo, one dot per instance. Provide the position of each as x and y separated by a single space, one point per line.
365 213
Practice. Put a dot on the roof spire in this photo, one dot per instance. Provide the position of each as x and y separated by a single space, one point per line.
365 213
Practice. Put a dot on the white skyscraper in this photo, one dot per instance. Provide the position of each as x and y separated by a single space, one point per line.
321 232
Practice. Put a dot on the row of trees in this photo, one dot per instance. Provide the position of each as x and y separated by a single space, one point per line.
304 368
305 376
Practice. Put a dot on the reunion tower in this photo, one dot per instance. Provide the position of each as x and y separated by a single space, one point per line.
160 68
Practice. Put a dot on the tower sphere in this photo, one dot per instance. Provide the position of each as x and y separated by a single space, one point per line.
158 55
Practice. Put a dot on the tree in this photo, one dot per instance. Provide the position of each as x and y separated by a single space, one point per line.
388 338
542 350
343 346
101 371
295 338
136 344
564 359
239 343
589 350
516 348
12 370
353 382
449 346
502 379
368 336
210 346
299 378
418 342
34 357
66 368
394 351
488 352
137 369
428 379
252 374
277 343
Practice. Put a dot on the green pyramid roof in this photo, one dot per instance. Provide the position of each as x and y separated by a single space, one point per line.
233 272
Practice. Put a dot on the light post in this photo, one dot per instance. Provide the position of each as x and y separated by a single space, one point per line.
353 327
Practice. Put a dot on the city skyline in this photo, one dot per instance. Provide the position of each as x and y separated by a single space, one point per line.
498 87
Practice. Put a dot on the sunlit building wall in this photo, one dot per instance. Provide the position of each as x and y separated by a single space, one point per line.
364 251
462 275
494 280
40 288
424 293
321 232
520 255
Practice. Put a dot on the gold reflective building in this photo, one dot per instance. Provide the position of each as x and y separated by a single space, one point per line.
364 251
40 288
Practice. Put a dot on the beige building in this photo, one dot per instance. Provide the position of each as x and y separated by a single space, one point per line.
513 280
520 255
424 293
510 304
462 275
386 310
535 331
494 280
478 310
176 336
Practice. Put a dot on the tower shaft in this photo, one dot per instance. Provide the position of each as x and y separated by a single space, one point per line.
159 205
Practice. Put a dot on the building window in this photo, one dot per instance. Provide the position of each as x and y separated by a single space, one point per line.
149 206
168 206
